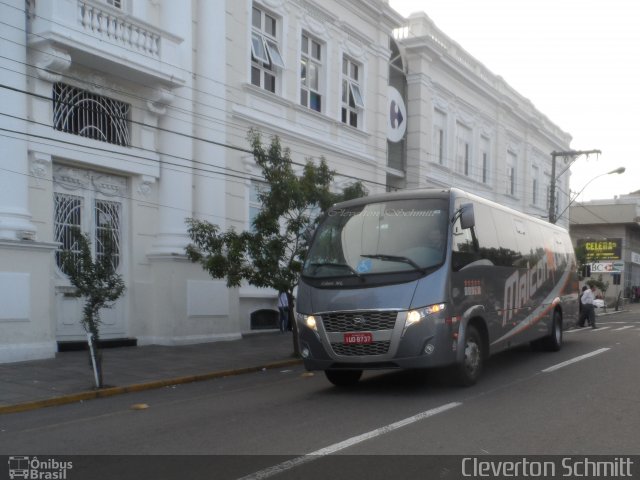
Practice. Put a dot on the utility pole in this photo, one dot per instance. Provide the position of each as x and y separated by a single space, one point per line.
552 187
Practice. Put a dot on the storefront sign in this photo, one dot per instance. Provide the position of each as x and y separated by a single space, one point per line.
607 267
635 258
606 249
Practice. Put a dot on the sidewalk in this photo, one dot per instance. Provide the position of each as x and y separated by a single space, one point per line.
68 377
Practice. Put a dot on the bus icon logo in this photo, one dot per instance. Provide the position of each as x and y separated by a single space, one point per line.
18 467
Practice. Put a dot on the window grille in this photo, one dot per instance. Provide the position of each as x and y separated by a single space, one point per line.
106 219
68 217
90 115
108 230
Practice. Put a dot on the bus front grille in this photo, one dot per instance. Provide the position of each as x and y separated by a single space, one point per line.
365 321
375 348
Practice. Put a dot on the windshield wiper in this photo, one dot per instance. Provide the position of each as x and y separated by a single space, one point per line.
396 258
335 264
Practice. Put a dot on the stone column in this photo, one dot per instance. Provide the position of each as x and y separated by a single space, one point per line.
419 120
210 114
175 144
27 330
15 217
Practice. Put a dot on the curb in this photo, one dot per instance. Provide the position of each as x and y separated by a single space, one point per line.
139 387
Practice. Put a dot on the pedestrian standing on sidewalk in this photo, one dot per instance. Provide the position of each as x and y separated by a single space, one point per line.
283 306
587 305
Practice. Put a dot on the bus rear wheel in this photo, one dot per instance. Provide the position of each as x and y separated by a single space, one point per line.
343 378
468 372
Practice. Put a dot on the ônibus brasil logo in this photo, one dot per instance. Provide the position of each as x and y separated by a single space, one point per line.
33 468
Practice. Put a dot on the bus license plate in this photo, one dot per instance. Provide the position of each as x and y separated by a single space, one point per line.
358 338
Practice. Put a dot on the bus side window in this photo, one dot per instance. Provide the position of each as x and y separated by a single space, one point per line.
463 250
505 252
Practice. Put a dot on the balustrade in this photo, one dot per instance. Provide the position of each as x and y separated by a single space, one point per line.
103 22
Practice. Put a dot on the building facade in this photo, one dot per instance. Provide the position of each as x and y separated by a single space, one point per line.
609 233
126 117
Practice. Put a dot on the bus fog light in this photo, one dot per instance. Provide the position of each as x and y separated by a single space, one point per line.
305 352
429 348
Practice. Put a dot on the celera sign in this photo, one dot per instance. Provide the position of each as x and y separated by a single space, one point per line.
606 249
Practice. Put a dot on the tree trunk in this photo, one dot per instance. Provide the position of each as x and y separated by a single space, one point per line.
294 325
95 359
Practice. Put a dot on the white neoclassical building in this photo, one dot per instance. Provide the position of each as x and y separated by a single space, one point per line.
125 117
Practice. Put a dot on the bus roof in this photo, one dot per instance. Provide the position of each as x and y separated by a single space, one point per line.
438 193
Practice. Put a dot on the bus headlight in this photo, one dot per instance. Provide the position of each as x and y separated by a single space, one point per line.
308 321
415 316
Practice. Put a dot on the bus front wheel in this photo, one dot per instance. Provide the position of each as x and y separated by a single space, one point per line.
468 372
343 378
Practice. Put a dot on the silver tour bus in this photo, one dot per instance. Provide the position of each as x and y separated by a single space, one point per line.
431 278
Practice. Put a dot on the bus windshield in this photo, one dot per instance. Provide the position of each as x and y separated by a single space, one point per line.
384 237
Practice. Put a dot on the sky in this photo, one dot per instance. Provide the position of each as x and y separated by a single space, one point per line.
577 61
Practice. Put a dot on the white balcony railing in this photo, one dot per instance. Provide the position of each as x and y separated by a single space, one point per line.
101 21
104 37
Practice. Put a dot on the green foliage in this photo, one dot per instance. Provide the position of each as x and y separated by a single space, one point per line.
599 284
96 281
271 254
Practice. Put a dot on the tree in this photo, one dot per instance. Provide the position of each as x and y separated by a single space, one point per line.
599 284
97 282
271 254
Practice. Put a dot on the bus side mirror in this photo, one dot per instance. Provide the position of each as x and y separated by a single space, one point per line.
467 217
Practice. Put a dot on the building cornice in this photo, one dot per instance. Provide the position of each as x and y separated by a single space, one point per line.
422 37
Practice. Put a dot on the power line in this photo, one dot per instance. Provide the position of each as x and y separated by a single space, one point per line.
189 72
494 173
192 137
130 94
452 173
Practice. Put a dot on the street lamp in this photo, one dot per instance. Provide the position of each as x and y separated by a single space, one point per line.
618 170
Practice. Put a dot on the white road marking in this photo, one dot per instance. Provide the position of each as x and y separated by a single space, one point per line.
622 328
598 329
576 359
310 457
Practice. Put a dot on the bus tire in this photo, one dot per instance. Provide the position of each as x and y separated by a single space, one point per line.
553 342
343 378
468 372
